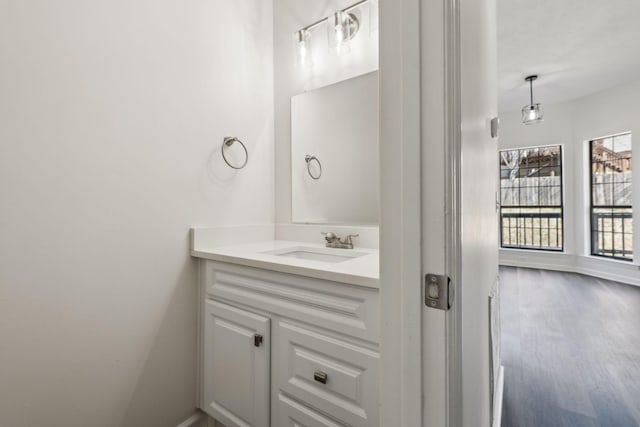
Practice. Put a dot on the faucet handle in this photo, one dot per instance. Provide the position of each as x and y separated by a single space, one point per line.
347 239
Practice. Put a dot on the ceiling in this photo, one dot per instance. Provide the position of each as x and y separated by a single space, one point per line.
577 47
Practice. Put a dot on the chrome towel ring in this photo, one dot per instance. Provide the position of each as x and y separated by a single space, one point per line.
228 142
309 159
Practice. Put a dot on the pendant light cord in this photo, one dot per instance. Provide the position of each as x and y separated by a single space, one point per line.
531 90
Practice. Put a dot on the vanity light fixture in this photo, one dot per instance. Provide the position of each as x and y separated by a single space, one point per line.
342 26
531 113
302 40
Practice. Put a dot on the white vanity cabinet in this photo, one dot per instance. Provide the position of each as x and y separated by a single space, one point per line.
236 373
281 350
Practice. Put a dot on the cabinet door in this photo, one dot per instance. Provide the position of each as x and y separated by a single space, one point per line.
236 366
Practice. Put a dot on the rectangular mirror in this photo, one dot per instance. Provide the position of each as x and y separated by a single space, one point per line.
335 154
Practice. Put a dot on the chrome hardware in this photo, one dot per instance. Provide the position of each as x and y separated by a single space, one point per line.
310 159
257 340
329 237
437 292
321 377
334 241
228 142
354 26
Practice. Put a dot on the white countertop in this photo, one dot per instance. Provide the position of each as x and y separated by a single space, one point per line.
361 271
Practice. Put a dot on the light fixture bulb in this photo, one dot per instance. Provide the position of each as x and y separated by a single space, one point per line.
340 45
302 39
339 34
532 114
342 27
302 51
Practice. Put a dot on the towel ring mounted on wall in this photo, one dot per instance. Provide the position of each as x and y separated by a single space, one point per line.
228 142
309 159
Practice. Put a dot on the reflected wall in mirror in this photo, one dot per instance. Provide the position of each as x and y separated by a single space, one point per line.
335 153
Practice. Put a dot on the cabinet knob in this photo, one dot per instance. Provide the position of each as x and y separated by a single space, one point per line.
257 340
321 377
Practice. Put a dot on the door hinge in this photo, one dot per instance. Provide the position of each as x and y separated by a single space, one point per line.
438 292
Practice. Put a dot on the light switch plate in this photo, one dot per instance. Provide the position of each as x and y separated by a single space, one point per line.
495 127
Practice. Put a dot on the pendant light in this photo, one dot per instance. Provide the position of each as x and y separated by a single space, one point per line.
531 113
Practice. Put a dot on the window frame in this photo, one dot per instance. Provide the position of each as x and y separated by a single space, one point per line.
593 239
561 229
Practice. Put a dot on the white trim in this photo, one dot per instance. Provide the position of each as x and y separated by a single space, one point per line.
532 146
453 203
537 265
603 268
200 337
543 260
629 132
196 420
608 269
499 396
532 251
612 261
400 216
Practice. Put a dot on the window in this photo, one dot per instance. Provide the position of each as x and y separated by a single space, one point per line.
531 214
611 211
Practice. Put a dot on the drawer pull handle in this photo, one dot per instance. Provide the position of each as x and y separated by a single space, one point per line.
257 340
321 377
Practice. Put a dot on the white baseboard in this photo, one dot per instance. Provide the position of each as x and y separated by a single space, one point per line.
608 276
198 419
618 271
499 396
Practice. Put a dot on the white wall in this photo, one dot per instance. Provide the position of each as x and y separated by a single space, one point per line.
290 16
573 124
110 117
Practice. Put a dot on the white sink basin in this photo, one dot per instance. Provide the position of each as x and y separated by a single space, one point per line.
317 254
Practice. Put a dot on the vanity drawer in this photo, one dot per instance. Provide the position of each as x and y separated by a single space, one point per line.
295 414
334 376
348 309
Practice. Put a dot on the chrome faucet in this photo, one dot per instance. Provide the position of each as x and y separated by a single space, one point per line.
334 241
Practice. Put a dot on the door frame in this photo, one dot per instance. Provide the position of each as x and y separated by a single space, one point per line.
419 73
453 205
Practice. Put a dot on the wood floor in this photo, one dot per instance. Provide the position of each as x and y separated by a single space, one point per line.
570 348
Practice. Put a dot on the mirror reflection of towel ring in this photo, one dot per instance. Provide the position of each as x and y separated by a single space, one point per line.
309 159
228 142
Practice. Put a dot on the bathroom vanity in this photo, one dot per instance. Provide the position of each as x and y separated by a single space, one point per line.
289 331
289 335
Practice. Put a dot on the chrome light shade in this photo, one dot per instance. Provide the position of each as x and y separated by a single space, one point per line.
302 40
342 27
531 114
